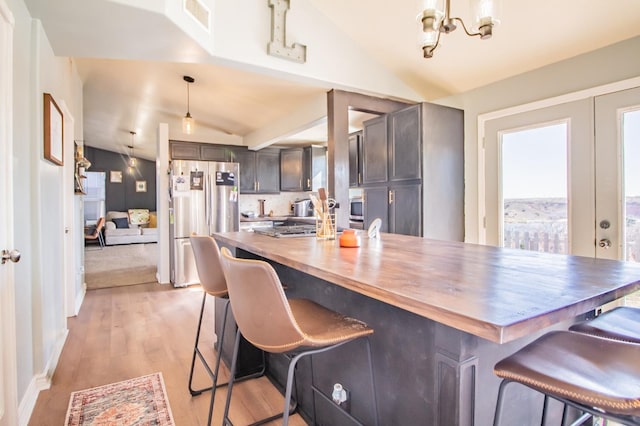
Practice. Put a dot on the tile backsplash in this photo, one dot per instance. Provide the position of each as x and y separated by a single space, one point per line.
280 204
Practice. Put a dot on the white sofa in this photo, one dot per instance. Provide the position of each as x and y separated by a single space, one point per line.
128 232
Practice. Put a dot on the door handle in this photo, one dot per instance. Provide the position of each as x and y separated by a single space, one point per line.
604 243
13 255
390 197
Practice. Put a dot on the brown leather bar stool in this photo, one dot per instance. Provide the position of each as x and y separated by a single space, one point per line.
621 323
597 376
275 324
207 257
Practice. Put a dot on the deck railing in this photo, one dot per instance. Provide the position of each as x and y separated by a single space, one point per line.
536 241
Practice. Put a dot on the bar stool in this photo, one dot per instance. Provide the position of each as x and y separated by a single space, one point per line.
597 376
271 322
621 323
207 257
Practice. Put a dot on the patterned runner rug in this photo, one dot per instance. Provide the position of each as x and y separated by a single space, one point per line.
133 402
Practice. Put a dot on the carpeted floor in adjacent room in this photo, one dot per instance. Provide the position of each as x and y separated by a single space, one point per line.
120 265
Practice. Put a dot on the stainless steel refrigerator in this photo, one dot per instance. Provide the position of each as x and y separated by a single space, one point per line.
204 200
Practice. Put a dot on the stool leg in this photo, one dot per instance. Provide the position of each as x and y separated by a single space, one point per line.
218 358
545 404
232 374
195 350
496 417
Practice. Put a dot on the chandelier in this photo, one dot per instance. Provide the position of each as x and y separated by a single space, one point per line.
436 19
187 120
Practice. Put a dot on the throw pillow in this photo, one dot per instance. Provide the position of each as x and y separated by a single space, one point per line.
138 216
153 220
121 222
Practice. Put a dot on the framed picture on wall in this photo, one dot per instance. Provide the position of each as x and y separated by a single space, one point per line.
53 131
115 176
141 186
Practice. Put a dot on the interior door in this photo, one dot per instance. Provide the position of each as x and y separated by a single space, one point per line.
618 175
534 191
8 381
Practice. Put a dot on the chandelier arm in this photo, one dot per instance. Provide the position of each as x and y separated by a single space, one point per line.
429 52
464 27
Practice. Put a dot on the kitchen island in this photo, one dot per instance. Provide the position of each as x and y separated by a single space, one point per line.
443 312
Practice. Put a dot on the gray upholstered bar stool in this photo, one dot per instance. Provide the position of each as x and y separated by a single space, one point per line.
621 323
275 324
597 376
207 257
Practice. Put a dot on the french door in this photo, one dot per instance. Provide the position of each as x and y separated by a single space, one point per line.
8 379
566 178
617 168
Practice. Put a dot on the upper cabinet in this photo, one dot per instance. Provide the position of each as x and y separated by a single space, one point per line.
259 170
179 150
303 169
413 171
184 150
374 151
291 169
391 147
405 144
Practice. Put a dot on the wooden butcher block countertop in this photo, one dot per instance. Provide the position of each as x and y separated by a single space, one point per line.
495 293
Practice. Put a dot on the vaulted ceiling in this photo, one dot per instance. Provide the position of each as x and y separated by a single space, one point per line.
132 60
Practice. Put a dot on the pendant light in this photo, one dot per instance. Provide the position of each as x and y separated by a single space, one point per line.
132 159
187 120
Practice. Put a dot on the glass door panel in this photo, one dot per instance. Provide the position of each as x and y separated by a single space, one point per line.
534 189
539 179
631 151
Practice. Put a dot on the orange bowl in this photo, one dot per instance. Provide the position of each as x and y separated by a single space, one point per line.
349 238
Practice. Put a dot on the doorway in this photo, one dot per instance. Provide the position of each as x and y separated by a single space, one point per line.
566 178
580 158
8 362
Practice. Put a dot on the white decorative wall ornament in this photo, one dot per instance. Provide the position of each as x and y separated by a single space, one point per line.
278 44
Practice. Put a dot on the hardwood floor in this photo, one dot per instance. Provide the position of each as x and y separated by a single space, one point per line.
125 332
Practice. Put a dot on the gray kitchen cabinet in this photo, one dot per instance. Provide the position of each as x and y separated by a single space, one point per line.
314 168
374 151
391 147
398 208
209 152
259 170
291 169
179 150
184 150
405 207
376 206
303 169
420 151
405 144
355 159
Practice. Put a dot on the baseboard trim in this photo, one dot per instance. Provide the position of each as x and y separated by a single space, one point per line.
80 299
40 382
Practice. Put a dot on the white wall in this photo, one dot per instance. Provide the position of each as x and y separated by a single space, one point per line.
40 193
611 64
